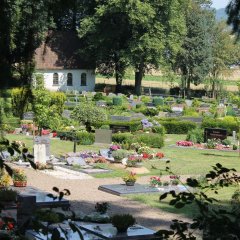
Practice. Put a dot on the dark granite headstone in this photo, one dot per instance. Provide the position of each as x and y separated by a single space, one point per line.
218 133
103 136
149 104
119 128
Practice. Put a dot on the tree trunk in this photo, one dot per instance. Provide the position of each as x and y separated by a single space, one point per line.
138 81
88 127
188 88
213 89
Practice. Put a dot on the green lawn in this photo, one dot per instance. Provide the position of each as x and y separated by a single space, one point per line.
184 161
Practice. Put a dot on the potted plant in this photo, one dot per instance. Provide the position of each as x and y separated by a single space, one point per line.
5 179
123 222
174 180
119 154
19 178
155 181
134 161
130 179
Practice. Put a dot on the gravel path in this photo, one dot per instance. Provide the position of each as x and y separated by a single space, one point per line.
85 194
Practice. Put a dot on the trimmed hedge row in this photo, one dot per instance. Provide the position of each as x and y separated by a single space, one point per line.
227 123
150 139
177 127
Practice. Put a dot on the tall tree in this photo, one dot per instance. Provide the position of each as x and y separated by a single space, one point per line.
195 58
225 52
157 38
9 15
233 11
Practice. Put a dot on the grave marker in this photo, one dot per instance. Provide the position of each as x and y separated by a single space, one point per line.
28 116
43 140
211 133
103 136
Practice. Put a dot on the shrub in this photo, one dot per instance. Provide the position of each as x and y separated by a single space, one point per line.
105 127
121 137
117 101
195 135
190 111
157 101
98 96
120 154
149 111
235 147
229 123
178 127
150 139
158 129
85 138
226 142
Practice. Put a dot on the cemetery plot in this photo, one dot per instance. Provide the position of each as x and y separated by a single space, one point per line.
122 189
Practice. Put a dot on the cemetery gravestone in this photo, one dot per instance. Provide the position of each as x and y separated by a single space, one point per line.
40 153
120 118
119 128
28 116
103 136
43 140
211 133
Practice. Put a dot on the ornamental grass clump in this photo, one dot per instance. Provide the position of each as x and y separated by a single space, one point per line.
131 177
123 222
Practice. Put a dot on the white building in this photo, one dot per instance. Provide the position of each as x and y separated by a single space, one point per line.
62 67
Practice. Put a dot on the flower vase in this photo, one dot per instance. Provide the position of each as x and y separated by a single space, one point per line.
20 183
130 183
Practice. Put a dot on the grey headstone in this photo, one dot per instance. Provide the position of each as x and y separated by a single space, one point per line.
66 114
120 118
103 136
131 97
101 103
28 116
43 140
76 161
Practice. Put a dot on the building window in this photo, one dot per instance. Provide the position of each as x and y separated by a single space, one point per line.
69 79
83 79
55 79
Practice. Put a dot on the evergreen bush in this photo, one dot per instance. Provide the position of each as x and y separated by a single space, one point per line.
117 101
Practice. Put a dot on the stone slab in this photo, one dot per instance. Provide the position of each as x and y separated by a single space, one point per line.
94 170
122 189
76 161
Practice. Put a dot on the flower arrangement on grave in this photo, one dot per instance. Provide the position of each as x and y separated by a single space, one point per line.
184 143
146 124
155 181
123 222
136 145
130 178
101 207
115 147
5 179
19 178
144 149
134 160
120 154
159 155
174 180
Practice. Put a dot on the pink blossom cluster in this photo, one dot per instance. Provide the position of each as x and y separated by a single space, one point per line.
184 143
115 147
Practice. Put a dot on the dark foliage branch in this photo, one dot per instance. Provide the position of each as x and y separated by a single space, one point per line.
214 222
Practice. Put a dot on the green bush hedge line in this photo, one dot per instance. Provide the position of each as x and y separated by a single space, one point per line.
177 127
150 139
227 123
82 137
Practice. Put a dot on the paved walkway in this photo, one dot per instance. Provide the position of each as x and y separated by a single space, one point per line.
85 194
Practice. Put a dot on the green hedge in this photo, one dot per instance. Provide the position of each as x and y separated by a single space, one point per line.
85 138
158 129
122 137
228 123
178 127
150 139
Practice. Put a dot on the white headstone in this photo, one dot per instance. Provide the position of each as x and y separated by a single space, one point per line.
131 97
234 136
40 153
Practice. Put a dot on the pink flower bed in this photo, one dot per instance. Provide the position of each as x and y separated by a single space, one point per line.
185 143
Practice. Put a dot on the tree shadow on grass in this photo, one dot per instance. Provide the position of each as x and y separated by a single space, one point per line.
217 155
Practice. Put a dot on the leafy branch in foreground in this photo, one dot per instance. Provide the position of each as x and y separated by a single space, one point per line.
214 221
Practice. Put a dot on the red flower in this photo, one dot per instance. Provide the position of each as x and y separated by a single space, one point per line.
10 226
